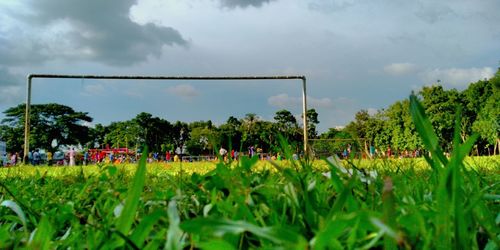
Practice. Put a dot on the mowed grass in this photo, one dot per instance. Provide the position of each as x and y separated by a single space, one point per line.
483 164
431 203
477 163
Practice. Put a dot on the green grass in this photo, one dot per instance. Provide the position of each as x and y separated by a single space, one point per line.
432 203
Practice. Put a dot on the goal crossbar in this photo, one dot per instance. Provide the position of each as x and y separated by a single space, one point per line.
139 77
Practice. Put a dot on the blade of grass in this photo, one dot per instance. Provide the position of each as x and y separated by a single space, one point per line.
455 163
343 197
425 130
144 228
219 227
337 182
42 235
389 212
18 210
174 233
127 216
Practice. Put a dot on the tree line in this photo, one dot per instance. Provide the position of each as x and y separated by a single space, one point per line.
392 127
53 125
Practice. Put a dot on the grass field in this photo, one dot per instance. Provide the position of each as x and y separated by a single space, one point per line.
481 163
250 204
431 203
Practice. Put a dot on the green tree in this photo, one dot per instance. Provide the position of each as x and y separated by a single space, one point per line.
180 134
312 121
249 130
123 134
153 131
359 127
474 98
487 124
230 133
441 105
98 135
49 123
403 132
379 131
13 137
203 138
287 125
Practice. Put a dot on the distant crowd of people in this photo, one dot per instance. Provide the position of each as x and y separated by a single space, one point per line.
9 159
375 153
71 157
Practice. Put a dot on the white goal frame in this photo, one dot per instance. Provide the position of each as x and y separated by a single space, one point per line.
124 77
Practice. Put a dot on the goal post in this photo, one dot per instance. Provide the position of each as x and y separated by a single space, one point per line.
127 77
337 146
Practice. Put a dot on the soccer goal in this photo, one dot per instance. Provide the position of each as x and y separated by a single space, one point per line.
178 78
342 147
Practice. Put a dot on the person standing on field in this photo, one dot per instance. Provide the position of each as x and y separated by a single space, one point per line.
222 153
72 157
85 158
36 158
49 158
13 159
167 156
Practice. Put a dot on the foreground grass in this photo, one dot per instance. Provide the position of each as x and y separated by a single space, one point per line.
213 206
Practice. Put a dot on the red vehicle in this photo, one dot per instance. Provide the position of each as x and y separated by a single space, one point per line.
98 155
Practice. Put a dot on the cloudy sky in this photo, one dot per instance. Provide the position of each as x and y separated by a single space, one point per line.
356 54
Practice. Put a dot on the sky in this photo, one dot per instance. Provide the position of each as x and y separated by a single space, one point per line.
356 54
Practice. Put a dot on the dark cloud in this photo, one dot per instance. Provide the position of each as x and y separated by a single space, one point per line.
6 78
20 49
99 31
10 90
243 3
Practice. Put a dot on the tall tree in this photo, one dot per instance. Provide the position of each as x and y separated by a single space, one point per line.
230 133
487 124
153 131
203 138
249 130
312 121
286 124
123 134
359 127
441 106
180 134
51 125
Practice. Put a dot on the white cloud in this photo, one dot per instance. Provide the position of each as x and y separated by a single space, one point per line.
88 124
320 103
372 111
183 90
455 76
284 101
399 69
133 93
93 89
